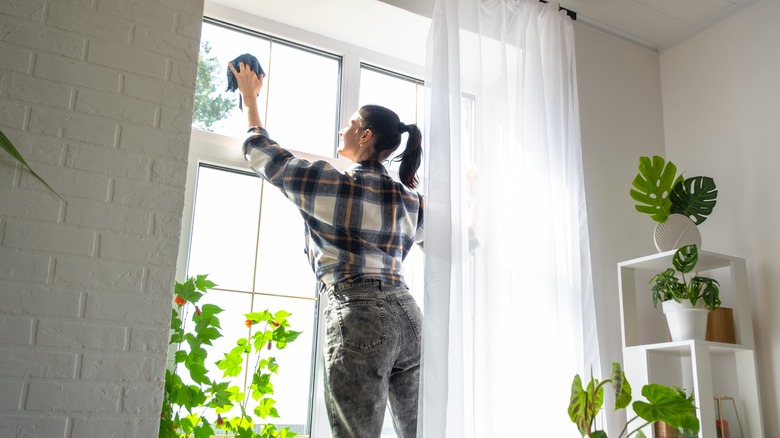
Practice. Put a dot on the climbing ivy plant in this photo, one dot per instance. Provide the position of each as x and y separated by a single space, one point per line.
193 400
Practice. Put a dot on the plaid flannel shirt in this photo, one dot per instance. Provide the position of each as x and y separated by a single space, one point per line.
360 224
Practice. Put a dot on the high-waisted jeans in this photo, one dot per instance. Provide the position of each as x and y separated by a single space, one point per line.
372 356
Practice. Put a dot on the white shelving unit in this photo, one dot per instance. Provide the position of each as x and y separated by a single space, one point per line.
710 369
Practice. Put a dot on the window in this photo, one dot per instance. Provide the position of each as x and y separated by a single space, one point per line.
302 85
243 232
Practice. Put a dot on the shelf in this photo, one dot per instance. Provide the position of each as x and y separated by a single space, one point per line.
709 369
683 348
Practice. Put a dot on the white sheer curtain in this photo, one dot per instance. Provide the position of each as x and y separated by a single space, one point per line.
509 315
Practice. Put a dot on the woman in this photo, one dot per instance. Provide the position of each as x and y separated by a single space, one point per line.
360 225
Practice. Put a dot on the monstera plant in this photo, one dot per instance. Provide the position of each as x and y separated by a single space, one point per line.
659 191
7 146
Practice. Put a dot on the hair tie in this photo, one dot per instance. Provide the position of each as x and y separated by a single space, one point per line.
402 127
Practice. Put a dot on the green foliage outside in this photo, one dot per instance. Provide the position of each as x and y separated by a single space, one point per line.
195 409
210 105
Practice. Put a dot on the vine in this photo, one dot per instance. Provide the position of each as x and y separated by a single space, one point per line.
194 409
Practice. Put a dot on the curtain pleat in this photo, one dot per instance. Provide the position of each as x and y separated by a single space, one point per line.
509 313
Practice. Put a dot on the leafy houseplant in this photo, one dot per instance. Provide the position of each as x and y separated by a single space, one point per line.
663 404
195 409
667 286
659 192
665 430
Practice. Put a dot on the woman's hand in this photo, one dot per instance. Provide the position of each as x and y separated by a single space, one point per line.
249 83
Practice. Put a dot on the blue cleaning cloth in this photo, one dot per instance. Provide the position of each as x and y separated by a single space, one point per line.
253 64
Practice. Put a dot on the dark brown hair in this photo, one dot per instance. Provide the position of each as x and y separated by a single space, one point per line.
387 129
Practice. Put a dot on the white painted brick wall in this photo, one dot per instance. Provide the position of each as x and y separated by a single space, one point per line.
97 95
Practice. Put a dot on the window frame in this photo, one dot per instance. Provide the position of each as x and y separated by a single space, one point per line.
223 151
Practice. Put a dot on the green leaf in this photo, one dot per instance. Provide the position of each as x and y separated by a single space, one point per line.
665 404
265 408
599 434
580 410
202 284
204 431
259 316
694 198
261 385
620 387
207 335
281 315
7 146
685 258
287 433
653 186
282 335
209 310
233 363
187 291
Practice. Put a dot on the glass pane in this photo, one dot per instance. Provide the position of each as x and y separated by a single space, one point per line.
282 264
292 385
216 110
234 306
224 228
303 96
390 91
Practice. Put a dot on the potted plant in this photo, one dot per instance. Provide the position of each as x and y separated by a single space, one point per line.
677 204
663 404
685 302
665 430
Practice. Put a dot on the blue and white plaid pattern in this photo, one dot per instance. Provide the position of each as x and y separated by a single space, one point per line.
360 224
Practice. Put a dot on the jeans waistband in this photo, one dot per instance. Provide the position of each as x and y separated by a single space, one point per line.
366 287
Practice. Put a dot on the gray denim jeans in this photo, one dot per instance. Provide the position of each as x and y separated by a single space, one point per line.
372 353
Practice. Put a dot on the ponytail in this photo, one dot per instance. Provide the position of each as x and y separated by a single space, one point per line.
387 128
411 157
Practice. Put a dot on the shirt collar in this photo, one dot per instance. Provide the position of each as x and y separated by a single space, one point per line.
368 166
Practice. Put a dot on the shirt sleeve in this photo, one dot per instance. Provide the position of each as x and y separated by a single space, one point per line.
419 236
297 178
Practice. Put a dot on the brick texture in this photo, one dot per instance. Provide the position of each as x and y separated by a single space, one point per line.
97 95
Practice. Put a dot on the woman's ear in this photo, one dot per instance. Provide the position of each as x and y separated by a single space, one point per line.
366 136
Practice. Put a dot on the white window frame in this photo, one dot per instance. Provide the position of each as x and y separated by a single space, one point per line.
225 151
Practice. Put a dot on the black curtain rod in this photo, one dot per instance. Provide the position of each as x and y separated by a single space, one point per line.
569 12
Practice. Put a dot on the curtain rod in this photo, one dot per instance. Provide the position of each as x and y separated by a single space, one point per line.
569 12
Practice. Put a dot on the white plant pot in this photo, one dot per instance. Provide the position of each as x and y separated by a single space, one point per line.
676 232
684 321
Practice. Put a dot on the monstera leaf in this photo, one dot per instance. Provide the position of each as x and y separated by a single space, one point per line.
694 198
653 186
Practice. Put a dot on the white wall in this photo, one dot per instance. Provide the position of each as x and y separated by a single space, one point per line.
721 100
621 120
97 95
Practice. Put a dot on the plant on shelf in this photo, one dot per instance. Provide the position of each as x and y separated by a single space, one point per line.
663 404
660 192
666 430
194 408
667 286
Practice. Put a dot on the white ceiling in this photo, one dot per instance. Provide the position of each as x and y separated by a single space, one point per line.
655 24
